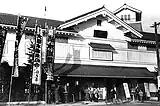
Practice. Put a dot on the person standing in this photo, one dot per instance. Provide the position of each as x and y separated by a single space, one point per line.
141 95
96 95
112 95
56 92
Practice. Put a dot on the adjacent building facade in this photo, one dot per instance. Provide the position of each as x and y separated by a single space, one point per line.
99 49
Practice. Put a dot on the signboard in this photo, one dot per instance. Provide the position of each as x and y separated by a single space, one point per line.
36 76
126 90
146 87
158 79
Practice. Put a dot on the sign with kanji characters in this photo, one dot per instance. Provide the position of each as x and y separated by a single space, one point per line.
36 75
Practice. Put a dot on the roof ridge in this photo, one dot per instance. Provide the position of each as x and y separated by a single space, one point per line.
124 6
85 13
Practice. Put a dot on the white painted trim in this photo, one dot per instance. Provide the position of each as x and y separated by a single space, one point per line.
99 12
125 6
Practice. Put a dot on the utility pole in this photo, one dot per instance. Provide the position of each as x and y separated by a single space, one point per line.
157 51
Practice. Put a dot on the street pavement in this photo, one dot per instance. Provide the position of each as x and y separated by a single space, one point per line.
101 103
145 103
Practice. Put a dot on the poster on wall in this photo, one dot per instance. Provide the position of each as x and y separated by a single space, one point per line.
126 90
146 87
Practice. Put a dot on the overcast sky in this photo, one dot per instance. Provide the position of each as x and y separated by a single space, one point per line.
65 9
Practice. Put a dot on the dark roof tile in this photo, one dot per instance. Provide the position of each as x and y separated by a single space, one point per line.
10 19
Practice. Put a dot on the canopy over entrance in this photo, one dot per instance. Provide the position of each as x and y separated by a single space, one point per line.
78 70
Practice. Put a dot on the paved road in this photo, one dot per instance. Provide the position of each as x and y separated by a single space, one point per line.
132 104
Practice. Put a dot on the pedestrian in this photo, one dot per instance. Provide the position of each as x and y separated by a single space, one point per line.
141 95
87 94
137 93
96 95
91 93
56 92
112 95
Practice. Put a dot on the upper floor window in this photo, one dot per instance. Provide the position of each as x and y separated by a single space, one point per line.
101 51
99 22
126 17
100 34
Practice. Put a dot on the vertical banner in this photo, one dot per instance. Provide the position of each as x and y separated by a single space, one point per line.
21 23
16 60
126 90
36 75
50 54
3 34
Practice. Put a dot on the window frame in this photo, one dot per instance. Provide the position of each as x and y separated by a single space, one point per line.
100 50
99 22
95 34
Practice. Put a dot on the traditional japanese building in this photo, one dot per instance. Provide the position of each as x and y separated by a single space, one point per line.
99 49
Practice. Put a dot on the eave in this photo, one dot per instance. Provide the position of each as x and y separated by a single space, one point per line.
124 7
33 29
143 41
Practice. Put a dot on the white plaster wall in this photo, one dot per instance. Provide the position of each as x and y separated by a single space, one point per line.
126 12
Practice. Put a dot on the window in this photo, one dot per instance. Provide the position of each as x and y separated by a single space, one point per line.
129 17
102 55
125 17
122 17
100 34
99 22
101 51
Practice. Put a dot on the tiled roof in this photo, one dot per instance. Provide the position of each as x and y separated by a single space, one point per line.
137 26
149 36
85 14
146 38
10 19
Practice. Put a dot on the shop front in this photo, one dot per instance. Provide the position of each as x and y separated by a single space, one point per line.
79 81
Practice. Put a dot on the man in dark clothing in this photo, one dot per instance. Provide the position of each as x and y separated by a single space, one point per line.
112 95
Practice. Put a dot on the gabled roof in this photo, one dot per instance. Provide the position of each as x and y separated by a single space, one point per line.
124 7
10 19
105 13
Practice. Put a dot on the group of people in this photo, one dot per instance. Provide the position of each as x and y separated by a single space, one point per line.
92 94
139 95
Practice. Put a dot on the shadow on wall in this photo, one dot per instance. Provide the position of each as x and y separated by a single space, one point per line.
65 68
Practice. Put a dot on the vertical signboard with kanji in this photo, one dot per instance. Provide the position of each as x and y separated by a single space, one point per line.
36 75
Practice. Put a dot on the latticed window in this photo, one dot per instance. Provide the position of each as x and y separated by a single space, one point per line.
102 55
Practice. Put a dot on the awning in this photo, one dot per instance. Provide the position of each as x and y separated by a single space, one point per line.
77 70
101 46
